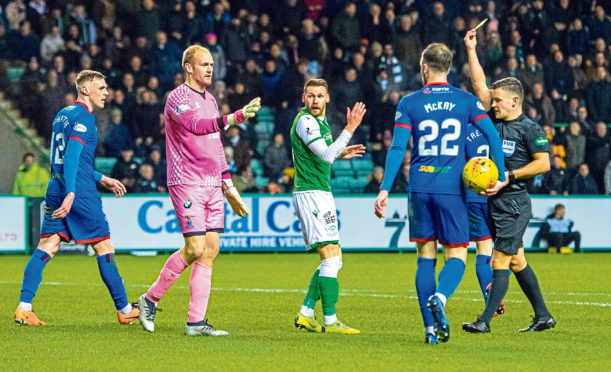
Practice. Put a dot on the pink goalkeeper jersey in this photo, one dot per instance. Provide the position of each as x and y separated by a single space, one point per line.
193 127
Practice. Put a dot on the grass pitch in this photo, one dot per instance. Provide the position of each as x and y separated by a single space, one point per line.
256 297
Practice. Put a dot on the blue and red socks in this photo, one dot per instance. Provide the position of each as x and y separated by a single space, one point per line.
114 282
425 288
32 276
483 270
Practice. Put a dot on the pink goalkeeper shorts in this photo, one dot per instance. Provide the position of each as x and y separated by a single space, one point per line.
198 208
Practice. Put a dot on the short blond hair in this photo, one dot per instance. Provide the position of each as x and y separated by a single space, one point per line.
86 76
190 52
316 83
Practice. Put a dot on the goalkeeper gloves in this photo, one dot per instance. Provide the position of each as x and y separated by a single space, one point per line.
247 112
235 201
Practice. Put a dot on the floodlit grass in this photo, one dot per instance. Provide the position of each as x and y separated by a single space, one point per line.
256 297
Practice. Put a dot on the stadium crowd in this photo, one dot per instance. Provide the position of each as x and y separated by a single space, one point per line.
368 50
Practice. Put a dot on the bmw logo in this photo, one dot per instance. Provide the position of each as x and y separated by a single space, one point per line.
187 204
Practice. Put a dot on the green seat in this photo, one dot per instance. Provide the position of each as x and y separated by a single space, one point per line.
261 181
104 165
358 184
342 168
256 167
13 74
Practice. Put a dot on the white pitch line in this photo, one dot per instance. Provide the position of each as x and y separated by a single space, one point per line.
348 292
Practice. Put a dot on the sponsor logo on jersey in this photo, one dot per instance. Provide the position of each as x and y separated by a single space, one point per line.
80 128
397 115
332 230
315 213
189 223
426 91
509 147
432 169
541 141
215 135
187 204
182 108
480 106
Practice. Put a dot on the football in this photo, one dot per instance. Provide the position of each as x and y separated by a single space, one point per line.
479 174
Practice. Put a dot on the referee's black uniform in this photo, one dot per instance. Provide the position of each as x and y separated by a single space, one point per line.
510 209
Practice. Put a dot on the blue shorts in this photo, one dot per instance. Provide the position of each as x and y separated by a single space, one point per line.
478 222
86 222
439 217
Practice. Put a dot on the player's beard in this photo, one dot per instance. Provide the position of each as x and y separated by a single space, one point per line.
321 110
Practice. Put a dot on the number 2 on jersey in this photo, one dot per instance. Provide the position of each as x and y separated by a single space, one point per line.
58 157
433 150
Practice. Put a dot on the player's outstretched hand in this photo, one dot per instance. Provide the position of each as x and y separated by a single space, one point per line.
471 39
235 201
113 185
63 211
354 151
355 116
380 204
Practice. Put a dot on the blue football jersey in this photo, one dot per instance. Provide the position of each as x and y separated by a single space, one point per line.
477 145
73 122
438 116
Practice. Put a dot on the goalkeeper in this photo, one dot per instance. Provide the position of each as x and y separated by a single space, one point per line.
198 176
313 153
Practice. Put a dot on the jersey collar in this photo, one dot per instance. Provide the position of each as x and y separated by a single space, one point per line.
431 84
84 105
203 94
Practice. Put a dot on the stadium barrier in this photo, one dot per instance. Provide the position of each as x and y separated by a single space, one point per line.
147 222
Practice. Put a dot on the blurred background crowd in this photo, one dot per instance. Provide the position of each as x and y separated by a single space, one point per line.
368 50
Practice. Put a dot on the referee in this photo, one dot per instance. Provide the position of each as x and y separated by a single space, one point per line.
526 155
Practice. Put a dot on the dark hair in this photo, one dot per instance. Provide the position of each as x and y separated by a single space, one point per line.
558 206
438 57
26 155
511 85
316 83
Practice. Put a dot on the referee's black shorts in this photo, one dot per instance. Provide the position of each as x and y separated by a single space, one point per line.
509 216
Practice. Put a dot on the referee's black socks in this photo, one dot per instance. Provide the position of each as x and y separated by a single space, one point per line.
500 283
530 286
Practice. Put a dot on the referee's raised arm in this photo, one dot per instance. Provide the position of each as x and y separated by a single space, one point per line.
478 78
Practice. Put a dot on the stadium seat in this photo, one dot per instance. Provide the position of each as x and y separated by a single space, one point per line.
256 167
261 181
104 165
362 167
342 168
13 74
358 184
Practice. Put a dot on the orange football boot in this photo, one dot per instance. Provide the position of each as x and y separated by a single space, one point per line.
23 317
133 315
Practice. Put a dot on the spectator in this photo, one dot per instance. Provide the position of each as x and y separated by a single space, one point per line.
335 66
290 88
250 77
598 146
245 182
117 45
218 19
166 59
117 137
532 73
577 38
556 181
375 181
290 14
346 29
541 101
276 158
24 44
136 69
126 169
242 153
146 183
31 179
50 45
391 64
145 124
599 25
51 102
15 14
400 184
218 56
159 168
193 26
437 26
407 44
575 146
582 183
272 187
559 77
348 91
558 230
269 82
598 97
376 29
584 120
579 75
310 45
234 43
86 27
148 20
229 158
31 86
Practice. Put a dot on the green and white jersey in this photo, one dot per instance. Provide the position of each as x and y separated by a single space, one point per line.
311 171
